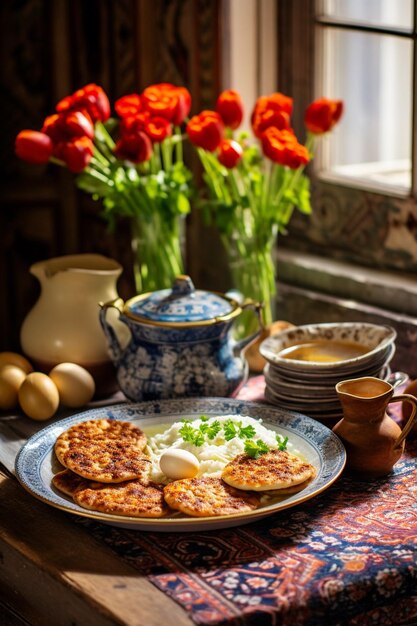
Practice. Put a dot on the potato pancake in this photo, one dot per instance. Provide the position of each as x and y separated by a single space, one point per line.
207 497
106 450
287 491
68 482
99 430
130 498
276 469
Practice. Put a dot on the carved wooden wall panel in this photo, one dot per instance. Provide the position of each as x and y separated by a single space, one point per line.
50 48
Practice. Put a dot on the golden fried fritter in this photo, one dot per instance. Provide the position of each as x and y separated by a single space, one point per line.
106 450
130 498
287 491
276 469
208 496
68 482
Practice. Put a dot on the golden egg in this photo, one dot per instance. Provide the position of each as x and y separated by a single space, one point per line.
38 396
13 358
75 384
11 378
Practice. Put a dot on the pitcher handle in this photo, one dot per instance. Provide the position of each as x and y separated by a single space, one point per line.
406 397
112 339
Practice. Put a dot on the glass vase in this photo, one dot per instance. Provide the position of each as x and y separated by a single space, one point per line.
252 268
157 252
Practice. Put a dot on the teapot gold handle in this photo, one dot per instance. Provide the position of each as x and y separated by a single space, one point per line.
248 303
257 307
115 348
406 397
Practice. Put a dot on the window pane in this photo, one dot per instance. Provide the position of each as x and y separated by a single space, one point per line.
388 13
373 75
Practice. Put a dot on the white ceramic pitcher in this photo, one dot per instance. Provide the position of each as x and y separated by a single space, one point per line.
64 323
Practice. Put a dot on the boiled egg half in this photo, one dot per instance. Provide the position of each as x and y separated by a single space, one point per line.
177 463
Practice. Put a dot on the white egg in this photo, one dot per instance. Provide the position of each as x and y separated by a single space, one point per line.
177 463
75 384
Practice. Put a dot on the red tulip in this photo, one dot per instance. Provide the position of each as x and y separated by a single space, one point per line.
274 110
183 106
90 98
65 126
50 127
158 129
230 107
230 153
34 147
136 148
76 153
282 147
128 106
168 101
321 115
206 130
278 119
131 124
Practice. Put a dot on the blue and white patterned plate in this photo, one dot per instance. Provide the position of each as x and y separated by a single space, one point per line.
36 462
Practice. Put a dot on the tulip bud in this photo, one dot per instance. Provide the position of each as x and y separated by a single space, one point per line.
230 153
34 147
322 114
136 148
76 153
230 107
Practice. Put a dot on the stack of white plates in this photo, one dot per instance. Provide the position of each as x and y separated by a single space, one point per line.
308 386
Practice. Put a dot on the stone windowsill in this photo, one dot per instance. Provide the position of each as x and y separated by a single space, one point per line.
384 289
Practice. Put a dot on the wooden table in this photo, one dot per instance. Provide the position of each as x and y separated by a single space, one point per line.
54 572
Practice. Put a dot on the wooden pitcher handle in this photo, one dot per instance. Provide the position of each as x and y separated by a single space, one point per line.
406 397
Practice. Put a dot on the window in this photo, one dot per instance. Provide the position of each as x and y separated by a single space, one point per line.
365 56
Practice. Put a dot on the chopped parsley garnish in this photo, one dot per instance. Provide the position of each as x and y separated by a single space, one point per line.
197 436
282 442
255 449
188 433
231 429
247 432
209 429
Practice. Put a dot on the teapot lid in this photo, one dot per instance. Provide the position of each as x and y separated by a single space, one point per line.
182 305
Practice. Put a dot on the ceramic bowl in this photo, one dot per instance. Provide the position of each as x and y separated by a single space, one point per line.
332 376
377 339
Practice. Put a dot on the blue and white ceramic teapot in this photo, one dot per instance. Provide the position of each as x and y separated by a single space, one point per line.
180 344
